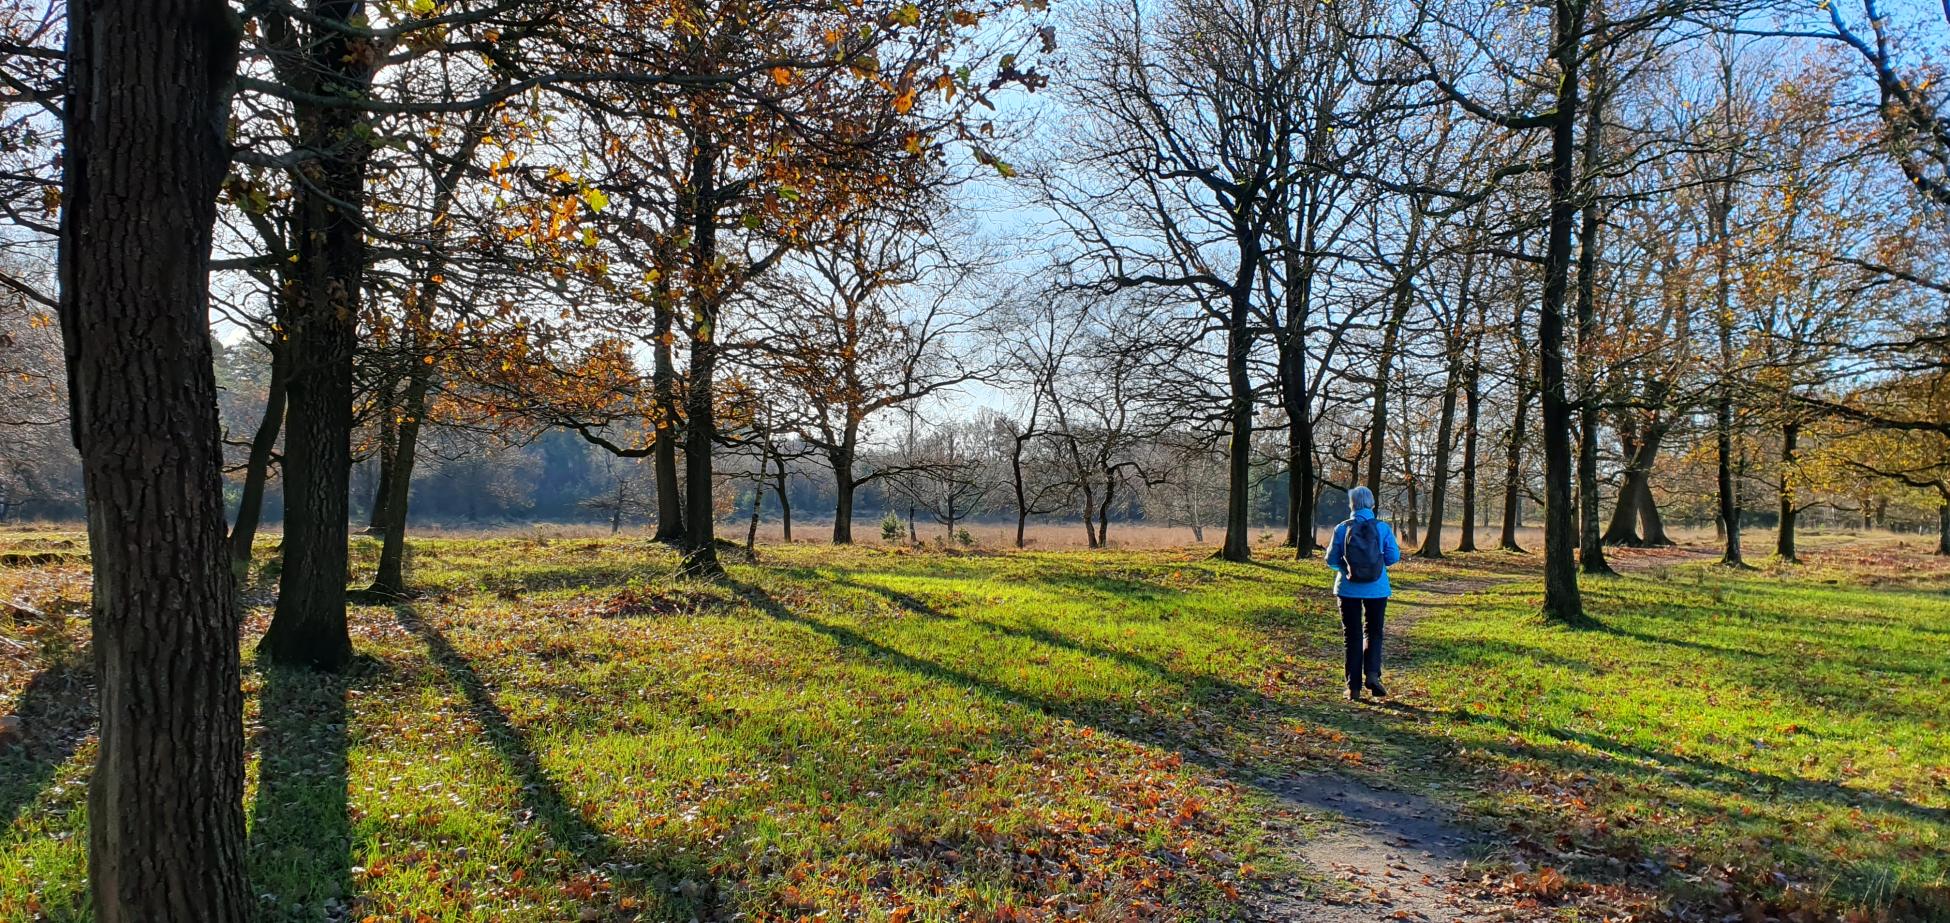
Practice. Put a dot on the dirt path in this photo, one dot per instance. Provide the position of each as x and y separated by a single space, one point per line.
1382 854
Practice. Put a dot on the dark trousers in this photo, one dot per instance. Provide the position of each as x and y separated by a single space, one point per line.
1362 660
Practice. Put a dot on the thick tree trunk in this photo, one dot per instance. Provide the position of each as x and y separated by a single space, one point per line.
257 468
146 116
1562 601
700 526
1472 419
390 579
1237 545
1784 538
308 628
1651 526
843 487
1635 519
1293 395
1943 527
700 415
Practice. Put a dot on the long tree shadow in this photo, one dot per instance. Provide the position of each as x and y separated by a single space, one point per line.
667 883
300 848
1232 713
1696 772
57 714
1043 636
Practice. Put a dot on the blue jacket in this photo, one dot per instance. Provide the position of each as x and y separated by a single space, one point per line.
1390 554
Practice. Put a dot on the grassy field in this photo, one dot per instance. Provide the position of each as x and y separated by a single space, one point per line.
559 730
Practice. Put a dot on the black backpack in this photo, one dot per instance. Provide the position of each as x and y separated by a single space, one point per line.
1361 551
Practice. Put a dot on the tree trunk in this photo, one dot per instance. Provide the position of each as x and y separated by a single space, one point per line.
1591 545
1237 545
257 468
1562 601
1089 520
1445 433
1651 526
663 384
1720 216
1293 394
1513 452
1103 509
308 628
785 500
700 415
388 412
843 487
758 501
1022 494
146 112
1472 419
1943 527
1390 344
390 579
1784 539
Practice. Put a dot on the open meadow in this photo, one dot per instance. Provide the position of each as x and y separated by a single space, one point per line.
559 729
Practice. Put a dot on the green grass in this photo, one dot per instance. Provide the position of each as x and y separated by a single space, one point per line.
559 730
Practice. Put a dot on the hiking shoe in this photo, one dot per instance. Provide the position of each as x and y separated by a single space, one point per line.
1380 691
1354 693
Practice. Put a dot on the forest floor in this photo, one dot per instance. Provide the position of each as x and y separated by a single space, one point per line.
561 730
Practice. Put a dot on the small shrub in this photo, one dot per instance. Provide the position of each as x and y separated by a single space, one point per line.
891 528
966 540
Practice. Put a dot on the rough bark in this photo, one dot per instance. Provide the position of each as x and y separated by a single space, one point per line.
844 486
1293 396
1472 420
1239 414
257 469
308 627
663 383
1784 537
1562 601
146 112
700 416
1943 527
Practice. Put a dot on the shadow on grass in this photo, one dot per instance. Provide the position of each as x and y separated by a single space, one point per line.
57 714
670 887
1694 772
1228 718
300 850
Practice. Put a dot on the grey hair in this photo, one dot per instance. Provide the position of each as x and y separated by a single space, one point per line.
1360 498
